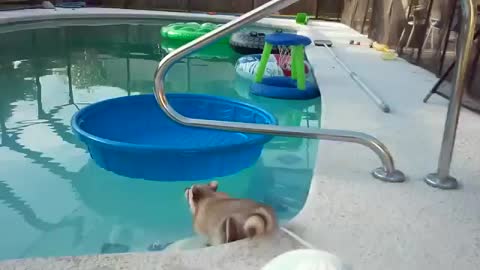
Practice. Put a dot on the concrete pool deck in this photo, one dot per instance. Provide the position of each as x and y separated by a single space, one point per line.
367 223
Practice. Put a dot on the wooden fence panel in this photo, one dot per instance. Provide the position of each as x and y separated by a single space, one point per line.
307 6
322 8
226 6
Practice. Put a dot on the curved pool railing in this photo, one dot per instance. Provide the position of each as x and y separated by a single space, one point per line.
386 173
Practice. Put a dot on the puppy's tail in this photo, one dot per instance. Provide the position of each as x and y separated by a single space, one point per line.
262 221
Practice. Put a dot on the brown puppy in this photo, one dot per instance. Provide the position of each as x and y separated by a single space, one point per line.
223 219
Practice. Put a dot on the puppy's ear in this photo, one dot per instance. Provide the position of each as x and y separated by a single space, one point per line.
229 229
213 185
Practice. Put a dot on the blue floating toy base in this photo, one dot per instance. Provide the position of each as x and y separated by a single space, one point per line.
287 39
132 136
284 88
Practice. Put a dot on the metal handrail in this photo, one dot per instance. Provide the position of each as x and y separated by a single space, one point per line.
442 179
386 173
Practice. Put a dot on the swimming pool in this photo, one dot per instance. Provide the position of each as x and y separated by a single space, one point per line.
54 201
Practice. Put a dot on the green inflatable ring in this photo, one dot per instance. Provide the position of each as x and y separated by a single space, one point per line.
188 31
212 51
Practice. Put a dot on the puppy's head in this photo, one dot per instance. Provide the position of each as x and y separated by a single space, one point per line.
196 193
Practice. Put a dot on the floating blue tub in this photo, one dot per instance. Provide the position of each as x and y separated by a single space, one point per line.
132 136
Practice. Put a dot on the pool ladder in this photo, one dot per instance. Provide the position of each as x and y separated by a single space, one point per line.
440 179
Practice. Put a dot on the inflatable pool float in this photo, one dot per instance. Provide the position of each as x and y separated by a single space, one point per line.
249 42
133 137
189 31
212 51
247 66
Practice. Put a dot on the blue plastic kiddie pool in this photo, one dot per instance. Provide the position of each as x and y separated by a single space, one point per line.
132 136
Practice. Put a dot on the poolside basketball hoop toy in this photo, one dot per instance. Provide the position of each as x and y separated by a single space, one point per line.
295 86
132 136
246 66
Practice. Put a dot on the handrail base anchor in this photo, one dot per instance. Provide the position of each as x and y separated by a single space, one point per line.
393 177
437 181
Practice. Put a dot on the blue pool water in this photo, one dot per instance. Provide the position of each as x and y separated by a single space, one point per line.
54 200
